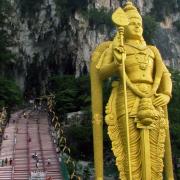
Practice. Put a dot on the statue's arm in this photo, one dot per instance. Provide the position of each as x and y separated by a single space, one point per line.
166 82
164 77
108 67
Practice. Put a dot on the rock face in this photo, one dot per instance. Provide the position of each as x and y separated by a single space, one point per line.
168 42
106 3
47 45
166 35
145 6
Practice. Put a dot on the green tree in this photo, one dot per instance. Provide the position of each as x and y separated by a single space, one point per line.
10 94
72 94
174 112
174 117
86 173
84 92
80 142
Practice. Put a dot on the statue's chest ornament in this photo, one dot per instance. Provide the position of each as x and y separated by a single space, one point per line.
143 60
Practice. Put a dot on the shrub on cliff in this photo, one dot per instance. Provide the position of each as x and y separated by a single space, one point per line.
162 8
29 7
177 25
99 17
150 26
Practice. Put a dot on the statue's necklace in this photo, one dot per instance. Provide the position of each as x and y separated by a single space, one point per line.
143 61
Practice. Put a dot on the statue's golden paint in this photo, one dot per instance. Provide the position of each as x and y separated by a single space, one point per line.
136 112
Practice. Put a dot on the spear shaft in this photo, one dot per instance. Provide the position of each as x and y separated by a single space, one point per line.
121 33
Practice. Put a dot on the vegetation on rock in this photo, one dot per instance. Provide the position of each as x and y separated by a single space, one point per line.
99 17
5 39
162 8
10 94
29 7
65 8
150 26
177 25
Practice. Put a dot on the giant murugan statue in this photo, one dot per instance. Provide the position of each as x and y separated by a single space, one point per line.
136 112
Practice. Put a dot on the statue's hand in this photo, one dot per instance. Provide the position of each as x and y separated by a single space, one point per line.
119 54
161 100
118 50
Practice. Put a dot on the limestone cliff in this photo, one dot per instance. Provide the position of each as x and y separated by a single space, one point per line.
47 45
48 42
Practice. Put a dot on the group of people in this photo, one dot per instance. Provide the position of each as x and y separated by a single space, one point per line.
35 157
38 104
6 162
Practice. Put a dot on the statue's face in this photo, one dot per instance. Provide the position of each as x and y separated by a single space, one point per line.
134 30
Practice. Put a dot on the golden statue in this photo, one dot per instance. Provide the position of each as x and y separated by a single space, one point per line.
136 112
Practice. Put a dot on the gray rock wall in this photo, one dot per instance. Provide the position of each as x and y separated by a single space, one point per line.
44 41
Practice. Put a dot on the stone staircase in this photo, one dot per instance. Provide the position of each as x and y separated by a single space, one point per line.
27 136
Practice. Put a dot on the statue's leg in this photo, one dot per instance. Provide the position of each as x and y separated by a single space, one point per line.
118 138
115 120
135 150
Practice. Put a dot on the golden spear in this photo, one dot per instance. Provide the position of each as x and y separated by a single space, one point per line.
121 20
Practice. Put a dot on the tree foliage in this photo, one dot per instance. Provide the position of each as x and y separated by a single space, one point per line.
10 93
98 17
5 40
80 142
174 112
5 53
72 94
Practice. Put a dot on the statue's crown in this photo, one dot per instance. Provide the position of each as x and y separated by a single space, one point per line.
131 11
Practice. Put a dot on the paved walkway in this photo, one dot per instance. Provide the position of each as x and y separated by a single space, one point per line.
28 136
